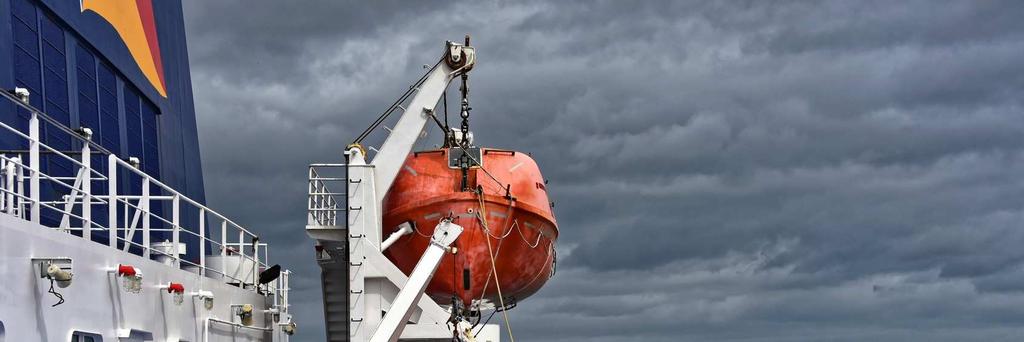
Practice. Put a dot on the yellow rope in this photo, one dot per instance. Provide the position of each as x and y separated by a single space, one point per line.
494 269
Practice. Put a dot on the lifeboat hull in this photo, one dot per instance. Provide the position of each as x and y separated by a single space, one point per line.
509 229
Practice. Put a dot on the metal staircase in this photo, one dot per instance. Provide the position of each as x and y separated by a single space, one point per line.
327 219
334 277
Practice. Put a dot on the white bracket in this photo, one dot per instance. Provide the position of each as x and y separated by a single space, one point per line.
403 229
391 327
42 264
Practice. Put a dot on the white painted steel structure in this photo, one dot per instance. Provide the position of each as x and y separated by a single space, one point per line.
377 301
393 323
99 300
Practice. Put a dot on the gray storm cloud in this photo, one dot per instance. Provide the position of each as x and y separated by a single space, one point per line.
744 170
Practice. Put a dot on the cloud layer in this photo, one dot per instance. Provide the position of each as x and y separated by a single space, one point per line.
776 171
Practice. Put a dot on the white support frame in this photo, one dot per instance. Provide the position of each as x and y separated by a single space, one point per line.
376 285
33 162
393 323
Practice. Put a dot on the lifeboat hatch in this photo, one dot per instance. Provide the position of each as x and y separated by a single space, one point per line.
464 158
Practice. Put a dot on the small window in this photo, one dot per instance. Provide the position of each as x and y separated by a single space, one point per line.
79 336
455 159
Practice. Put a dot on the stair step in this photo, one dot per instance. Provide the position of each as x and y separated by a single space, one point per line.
336 308
335 287
335 299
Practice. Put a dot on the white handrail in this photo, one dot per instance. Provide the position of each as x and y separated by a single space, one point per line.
322 204
75 200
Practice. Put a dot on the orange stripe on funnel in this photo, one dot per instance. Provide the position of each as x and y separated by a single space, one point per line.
133 21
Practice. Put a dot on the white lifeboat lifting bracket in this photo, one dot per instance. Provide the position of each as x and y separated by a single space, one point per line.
383 303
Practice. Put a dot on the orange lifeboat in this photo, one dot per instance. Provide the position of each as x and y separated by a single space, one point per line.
504 203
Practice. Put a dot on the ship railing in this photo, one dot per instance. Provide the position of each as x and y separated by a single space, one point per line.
282 292
324 205
61 188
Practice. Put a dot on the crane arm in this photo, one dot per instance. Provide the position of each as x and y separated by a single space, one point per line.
457 59
393 323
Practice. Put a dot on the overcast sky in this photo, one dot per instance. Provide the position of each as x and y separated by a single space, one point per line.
743 170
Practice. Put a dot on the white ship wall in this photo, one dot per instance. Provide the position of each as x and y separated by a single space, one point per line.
96 303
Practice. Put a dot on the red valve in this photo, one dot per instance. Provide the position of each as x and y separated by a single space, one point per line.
126 270
175 287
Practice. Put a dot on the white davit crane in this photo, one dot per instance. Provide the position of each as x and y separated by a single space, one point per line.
366 297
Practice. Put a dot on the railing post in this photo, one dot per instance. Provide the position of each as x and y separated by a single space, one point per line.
276 291
3 198
241 256
255 261
283 288
144 205
18 201
287 289
11 188
86 191
202 241
33 163
175 234
223 246
112 198
321 188
311 218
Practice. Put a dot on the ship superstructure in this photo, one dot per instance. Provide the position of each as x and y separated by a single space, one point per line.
104 230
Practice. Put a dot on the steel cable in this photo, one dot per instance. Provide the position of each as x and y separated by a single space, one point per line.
383 116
